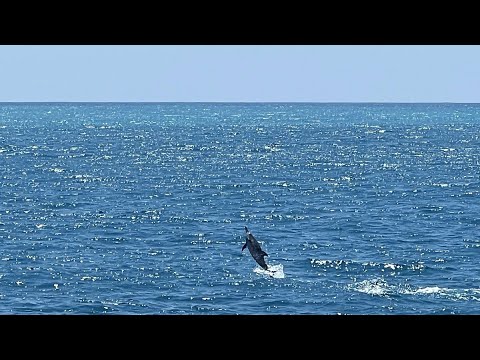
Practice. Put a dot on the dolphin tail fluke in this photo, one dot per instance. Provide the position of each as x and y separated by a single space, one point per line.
246 229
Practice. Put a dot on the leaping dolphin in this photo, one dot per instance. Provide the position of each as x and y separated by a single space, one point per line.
254 247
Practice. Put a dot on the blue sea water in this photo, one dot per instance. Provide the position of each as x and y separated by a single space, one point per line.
140 208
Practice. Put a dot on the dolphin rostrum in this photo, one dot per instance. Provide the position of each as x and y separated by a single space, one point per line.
254 247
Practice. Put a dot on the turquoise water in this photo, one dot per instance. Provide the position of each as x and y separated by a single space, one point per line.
140 208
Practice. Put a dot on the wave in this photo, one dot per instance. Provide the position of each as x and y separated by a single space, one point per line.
380 287
357 265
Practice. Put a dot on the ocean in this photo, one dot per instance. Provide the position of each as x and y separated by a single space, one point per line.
140 208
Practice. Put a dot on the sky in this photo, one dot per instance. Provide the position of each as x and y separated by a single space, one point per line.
240 73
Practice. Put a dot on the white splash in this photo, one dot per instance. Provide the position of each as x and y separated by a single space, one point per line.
275 271
430 290
391 266
372 287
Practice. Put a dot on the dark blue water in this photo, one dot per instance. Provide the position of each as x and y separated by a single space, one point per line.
141 208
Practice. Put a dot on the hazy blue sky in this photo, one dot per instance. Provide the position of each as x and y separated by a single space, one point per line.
397 73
